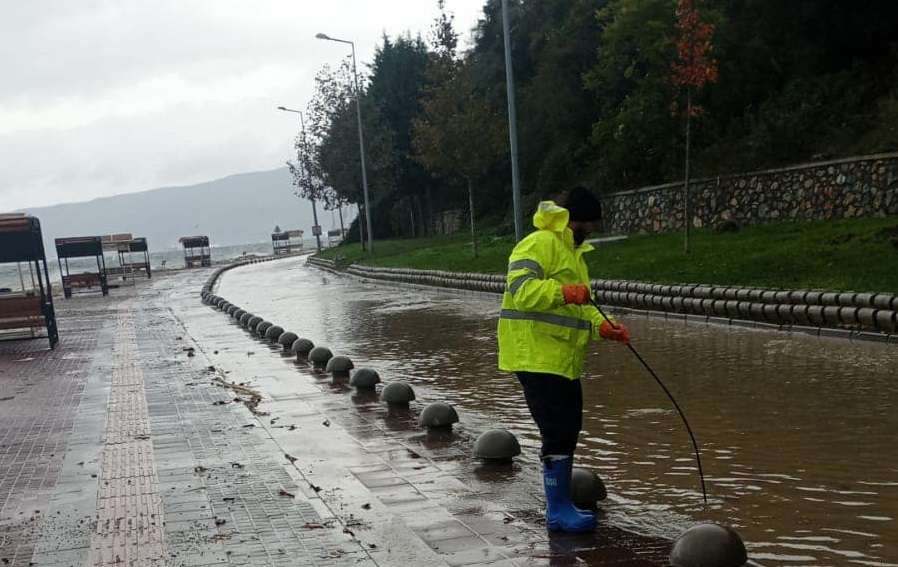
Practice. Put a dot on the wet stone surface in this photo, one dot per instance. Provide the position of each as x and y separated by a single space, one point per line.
160 433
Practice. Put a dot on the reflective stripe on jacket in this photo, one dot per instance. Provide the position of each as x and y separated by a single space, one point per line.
537 331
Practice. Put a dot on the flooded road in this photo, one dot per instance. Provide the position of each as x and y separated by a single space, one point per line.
797 434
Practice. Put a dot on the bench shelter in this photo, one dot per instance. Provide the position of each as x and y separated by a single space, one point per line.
196 251
133 256
335 236
286 241
28 311
88 280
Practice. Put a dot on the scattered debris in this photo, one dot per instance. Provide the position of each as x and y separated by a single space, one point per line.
314 487
366 506
287 494
326 423
313 526
250 425
214 352
250 353
220 521
349 531
200 469
290 458
236 465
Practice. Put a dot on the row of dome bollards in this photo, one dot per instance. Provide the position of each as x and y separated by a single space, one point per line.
871 316
702 545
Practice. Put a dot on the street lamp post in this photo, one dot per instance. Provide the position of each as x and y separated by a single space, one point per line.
512 128
315 229
358 109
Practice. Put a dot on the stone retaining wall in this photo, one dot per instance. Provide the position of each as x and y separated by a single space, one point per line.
856 187
867 316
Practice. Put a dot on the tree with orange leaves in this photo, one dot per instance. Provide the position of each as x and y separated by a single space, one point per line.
692 70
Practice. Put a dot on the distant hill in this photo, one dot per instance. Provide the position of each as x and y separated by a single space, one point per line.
238 209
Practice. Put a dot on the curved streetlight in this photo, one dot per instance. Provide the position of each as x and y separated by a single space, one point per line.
358 109
316 230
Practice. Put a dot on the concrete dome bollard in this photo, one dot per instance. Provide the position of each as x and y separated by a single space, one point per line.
273 332
708 545
339 366
263 327
319 356
244 319
253 321
238 314
438 415
231 309
397 395
286 340
302 347
496 445
586 488
364 379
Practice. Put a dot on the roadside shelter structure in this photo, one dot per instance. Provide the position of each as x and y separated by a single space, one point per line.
27 312
82 247
133 256
335 236
196 251
286 241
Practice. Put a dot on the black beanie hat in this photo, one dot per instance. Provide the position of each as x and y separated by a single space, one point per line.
582 205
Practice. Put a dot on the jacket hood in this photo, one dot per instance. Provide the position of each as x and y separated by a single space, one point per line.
554 218
549 216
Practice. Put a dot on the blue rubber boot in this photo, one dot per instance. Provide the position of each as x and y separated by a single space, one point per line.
561 514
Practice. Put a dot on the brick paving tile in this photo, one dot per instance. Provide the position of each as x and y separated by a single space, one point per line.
127 445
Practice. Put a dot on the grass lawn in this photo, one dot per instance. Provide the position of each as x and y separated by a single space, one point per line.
838 255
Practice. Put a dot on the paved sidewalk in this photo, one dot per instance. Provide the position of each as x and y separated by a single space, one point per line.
141 440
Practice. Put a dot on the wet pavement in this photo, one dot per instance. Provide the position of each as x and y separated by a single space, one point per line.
796 432
159 432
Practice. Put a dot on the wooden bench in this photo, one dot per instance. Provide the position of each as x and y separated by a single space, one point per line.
89 281
138 268
21 312
192 261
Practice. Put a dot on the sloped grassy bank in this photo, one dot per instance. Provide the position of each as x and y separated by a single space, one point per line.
858 255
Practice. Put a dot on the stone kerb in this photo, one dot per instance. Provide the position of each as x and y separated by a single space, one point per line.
868 316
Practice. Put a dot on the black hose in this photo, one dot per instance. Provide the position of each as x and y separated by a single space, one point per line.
698 458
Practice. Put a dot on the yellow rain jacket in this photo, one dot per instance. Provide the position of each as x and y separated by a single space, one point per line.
537 331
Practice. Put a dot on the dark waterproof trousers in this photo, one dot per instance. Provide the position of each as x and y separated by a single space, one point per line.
556 404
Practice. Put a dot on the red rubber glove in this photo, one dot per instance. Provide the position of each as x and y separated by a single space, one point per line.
575 293
617 332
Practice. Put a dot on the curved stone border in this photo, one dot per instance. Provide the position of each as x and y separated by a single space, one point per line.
864 316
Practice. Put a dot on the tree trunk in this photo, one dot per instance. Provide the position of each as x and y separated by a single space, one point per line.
429 231
686 220
471 214
411 218
361 229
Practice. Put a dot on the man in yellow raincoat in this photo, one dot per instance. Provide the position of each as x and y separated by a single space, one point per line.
546 323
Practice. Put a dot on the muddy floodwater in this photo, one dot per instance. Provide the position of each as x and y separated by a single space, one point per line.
797 434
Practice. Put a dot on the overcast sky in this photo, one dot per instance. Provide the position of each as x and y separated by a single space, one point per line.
101 97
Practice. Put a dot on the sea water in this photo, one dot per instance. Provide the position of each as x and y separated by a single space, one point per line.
15 277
